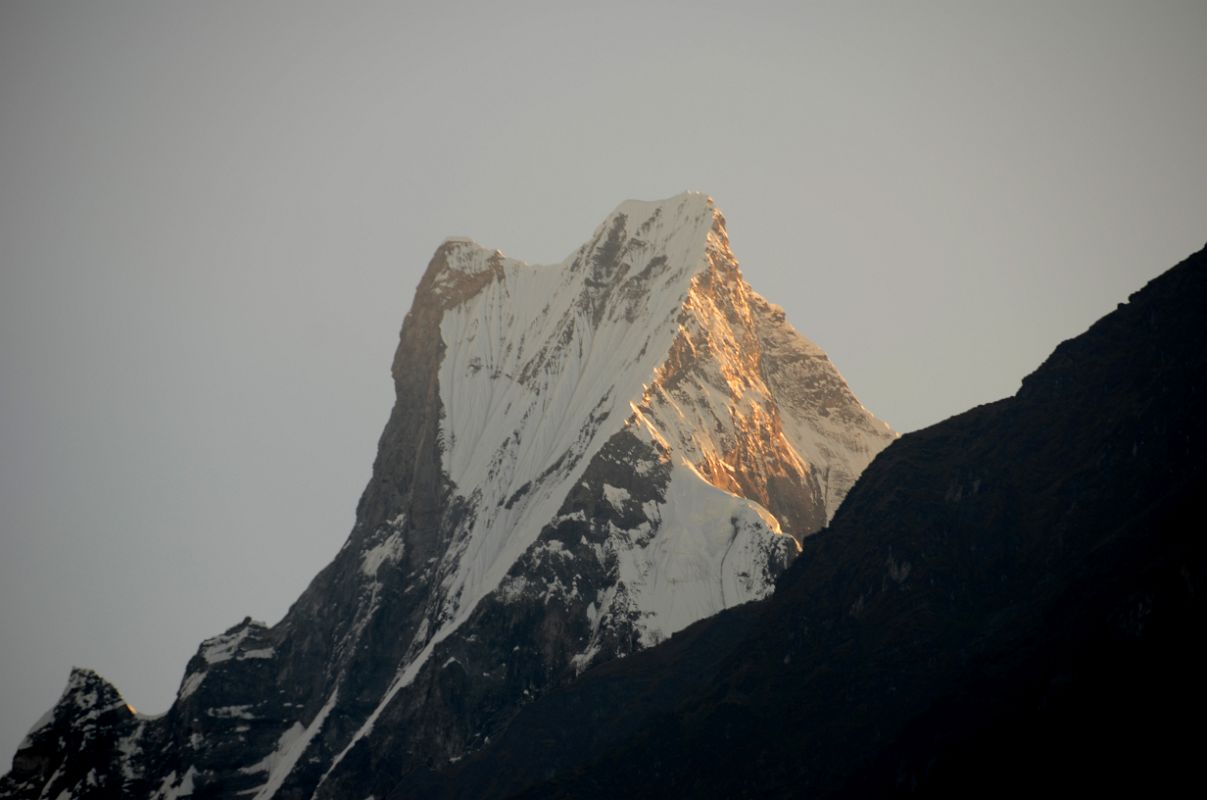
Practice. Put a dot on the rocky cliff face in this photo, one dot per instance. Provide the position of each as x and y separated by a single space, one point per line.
582 460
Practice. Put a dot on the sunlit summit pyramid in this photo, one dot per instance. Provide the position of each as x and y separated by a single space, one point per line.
582 460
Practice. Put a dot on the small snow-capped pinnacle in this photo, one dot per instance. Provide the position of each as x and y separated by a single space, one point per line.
88 695
82 679
459 268
466 245
464 254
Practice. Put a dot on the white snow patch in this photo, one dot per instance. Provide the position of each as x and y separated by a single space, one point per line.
583 660
262 652
266 764
170 790
710 551
128 747
390 550
616 497
223 647
186 785
191 683
290 747
165 786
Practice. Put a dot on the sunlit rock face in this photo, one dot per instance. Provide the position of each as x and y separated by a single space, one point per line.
583 459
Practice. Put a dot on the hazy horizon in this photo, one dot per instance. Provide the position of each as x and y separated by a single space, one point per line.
213 218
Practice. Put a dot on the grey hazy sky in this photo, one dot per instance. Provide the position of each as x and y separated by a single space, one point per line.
213 216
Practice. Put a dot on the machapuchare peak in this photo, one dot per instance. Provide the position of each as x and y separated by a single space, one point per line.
583 459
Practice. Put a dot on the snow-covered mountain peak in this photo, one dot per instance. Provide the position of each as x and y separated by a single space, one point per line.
583 459
648 327
542 366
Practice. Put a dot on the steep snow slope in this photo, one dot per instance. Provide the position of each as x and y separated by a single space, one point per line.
541 368
709 553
